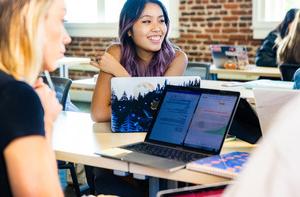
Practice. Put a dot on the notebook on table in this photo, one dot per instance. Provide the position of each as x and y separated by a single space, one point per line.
134 100
226 56
209 190
191 123
226 165
269 102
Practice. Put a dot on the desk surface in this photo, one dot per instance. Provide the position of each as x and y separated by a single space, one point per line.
76 138
73 61
250 74
82 90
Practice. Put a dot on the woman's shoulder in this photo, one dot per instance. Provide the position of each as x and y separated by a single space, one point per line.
179 54
11 85
18 92
115 50
20 105
114 47
179 63
14 90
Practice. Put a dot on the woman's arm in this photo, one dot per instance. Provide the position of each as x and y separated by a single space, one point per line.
100 107
110 66
50 104
109 62
178 65
32 168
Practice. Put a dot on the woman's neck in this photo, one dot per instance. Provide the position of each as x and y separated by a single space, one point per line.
145 56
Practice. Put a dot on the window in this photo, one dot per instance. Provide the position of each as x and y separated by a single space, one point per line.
99 18
267 14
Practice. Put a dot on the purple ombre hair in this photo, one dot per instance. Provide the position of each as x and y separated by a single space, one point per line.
130 13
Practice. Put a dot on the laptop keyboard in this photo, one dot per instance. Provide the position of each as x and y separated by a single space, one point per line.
165 152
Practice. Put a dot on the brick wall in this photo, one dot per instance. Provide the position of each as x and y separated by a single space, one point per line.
202 22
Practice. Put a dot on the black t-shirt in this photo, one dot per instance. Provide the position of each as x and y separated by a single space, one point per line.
21 114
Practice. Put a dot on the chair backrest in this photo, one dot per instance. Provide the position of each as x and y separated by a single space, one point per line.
287 71
62 87
198 69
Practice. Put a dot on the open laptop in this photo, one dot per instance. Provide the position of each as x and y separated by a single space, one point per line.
269 102
134 100
191 123
208 190
223 55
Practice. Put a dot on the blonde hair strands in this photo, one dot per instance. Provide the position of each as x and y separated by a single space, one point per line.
21 36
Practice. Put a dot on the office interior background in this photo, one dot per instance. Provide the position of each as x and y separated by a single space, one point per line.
195 25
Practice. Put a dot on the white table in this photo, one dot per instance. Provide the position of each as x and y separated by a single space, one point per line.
76 138
250 74
76 63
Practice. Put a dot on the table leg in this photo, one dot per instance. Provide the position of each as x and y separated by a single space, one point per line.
63 71
153 186
120 173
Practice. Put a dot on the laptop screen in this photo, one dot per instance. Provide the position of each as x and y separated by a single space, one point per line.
229 56
196 118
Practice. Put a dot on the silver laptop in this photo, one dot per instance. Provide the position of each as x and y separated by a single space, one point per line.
191 123
134 100
269 102
226 54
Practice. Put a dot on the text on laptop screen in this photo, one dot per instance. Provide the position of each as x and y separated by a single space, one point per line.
197 120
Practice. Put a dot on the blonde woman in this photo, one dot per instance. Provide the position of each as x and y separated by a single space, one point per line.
289 47
266 53
32 38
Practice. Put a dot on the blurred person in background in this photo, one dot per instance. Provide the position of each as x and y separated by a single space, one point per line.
289 49
267 52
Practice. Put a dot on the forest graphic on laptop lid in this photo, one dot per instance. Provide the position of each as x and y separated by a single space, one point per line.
134 100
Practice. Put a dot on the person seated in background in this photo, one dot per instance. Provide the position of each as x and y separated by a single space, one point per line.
32 39
297 80
266 53
144 50
289 48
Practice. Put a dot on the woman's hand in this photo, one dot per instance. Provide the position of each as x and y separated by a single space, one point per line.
107 63
51 106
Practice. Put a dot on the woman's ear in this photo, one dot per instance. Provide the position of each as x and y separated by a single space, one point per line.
129 34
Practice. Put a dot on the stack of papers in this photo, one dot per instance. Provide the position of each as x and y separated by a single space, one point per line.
261 83
265 83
